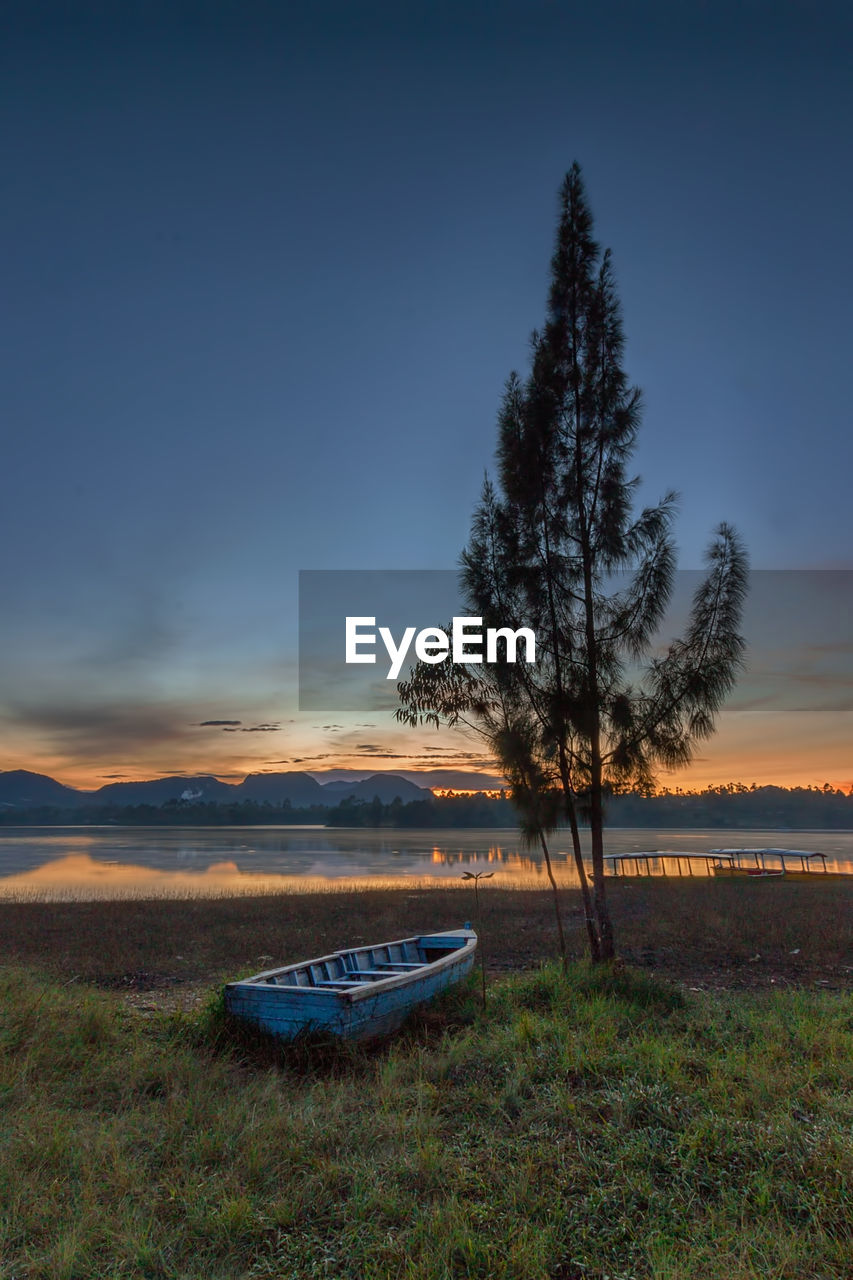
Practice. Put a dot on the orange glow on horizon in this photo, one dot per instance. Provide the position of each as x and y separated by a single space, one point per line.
811 749
85 777
493 793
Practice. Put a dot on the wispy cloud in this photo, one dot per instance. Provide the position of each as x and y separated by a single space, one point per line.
101 729
254 728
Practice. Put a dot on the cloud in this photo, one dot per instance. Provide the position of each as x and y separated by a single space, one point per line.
377 754
843 705
106 729
825 679
204 724
251 728
130 738
844 647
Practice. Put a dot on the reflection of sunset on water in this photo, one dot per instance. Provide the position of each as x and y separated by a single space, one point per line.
81 871
506 859
113 862
81 878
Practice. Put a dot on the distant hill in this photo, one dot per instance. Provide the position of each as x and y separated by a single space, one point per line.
295 798
388 788
298 789
338 789
20 789
426 779
458 780
159 791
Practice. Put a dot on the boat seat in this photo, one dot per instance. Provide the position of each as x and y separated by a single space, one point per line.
352 977
369 974
372 973
399 964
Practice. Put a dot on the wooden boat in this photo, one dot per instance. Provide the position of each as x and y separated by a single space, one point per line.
356 994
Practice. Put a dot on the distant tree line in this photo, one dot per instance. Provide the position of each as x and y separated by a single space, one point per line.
183 813
478 810
732 805
735 805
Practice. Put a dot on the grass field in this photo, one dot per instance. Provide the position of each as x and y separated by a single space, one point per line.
609 1124
605 1125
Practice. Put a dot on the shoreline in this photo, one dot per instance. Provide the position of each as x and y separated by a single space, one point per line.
110 862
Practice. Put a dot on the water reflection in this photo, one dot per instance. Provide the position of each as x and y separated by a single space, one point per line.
495 855
143 861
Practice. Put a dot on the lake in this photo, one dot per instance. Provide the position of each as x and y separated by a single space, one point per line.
109 861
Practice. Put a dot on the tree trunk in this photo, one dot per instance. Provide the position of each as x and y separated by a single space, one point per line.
596 822
561 935
561 740
596 815
592 932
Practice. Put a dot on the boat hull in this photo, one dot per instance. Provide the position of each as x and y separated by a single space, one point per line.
367 1007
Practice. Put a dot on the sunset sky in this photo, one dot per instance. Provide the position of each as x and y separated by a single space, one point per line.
266 268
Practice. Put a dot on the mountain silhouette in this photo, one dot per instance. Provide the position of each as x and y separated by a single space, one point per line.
203 790
20 789
300 789
388 788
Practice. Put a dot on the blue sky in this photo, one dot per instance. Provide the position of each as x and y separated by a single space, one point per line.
266 268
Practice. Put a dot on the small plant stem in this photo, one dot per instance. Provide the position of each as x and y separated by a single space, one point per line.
480 936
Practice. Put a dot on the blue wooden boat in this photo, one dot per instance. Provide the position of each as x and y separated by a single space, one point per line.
357 994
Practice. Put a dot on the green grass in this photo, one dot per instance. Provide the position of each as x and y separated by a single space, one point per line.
604 1125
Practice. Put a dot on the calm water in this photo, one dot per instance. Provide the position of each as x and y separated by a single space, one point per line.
85 862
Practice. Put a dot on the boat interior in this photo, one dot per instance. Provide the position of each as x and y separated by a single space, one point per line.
347 970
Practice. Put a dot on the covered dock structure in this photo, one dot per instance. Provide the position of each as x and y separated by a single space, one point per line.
654 863
785 860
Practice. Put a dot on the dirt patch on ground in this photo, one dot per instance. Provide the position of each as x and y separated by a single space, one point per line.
706 935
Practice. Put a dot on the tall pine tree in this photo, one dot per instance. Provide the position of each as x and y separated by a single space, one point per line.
558 548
